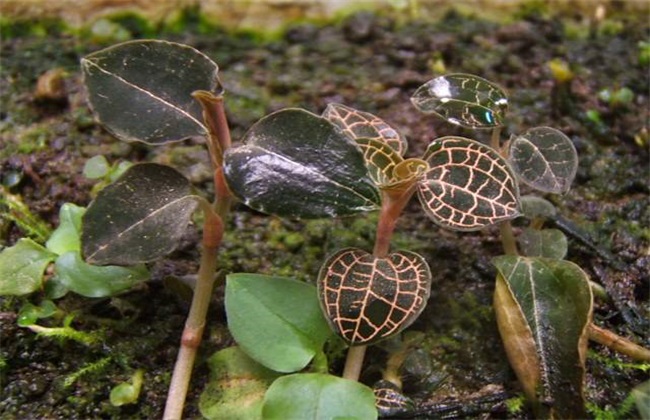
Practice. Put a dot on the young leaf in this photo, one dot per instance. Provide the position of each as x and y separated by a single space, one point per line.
367 299
96 281
22 267
142 90
468 185
381 161
359 124
533 206
236 387
545 159
552 298
66 237
139 218
275 320
462 99
318 396
297 164
547 243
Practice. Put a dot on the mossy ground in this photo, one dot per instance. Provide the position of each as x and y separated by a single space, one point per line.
367 61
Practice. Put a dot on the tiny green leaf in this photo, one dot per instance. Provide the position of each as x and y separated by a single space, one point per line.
66 237
366 298
275 320
96 167
548 243
96 281
468 185
545 159
359 124
139 218
127 392
142 90
462 99
318 396
30 313
551 301
294 163
22 267
533 206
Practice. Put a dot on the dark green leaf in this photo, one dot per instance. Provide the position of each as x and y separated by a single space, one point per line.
548 243
317 396
139 218
67 236
359 124
367 298
545 159
141 90
462 99
294 163
555 300
275 320
468 185
22 267
95 281
236 387
390 401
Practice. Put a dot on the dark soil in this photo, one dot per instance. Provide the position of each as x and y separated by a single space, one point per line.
372 63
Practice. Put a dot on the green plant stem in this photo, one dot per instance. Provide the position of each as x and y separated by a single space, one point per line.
618 343
354 362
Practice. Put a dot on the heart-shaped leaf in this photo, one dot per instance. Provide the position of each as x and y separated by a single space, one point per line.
366 298
359 124
276 320
22 267
318 396
142 90
462 99
468 185
543 309
548 243
297 164
545 159
139 218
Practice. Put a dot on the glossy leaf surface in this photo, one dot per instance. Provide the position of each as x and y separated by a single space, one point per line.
294 163
545 159
468 185
67 236
318 396
548 243
359 124
96 281
462 99
139 218
141 90
22 267
276 320
552 298
236 387
367 299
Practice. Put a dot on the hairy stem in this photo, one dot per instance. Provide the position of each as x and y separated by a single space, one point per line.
618 343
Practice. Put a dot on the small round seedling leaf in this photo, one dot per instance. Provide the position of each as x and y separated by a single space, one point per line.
537 207
22 267
462 99
294 163
96 281
318 396
67 236
545 159
276 320
139 218
359 124
142 90
468 185
366 298
554 299
547 243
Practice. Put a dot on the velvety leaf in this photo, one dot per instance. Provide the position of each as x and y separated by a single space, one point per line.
545 159
142 90
359 124
276 320
22 267
297 164
548 243
462 99
139 218
366 298
318 396
236 387
468 185
96 281
555 300
67 236
390 401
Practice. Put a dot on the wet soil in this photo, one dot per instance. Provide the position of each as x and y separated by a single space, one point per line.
371 62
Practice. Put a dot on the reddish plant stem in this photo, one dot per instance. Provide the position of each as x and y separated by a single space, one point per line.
618 343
